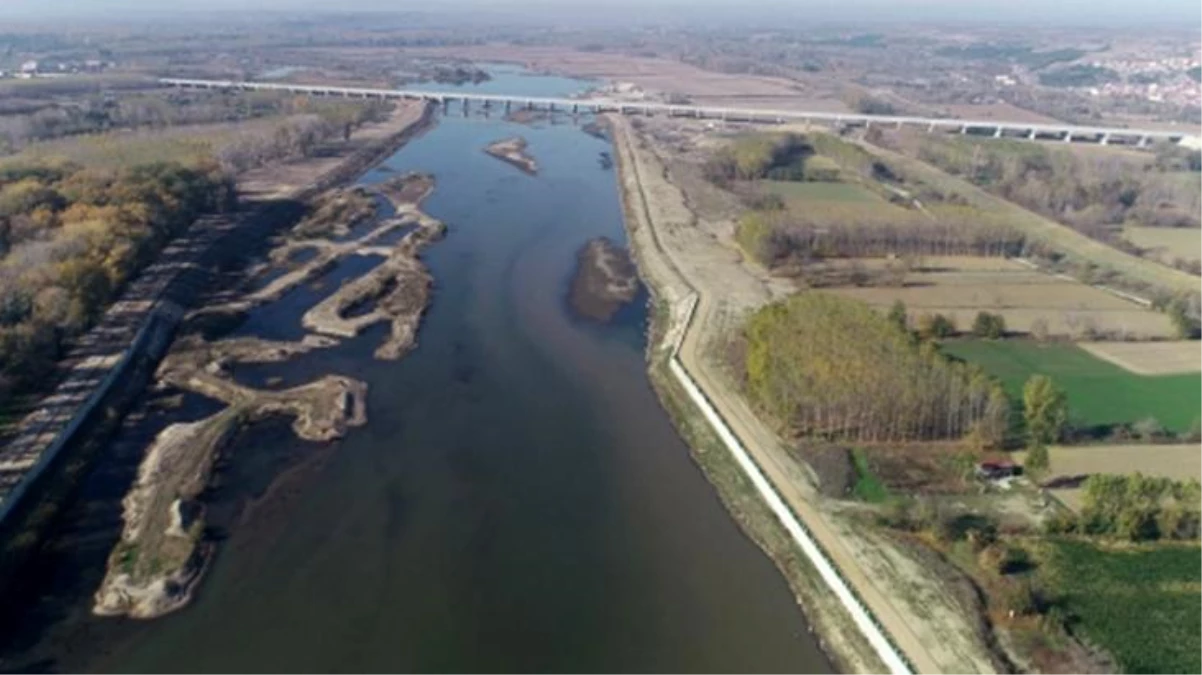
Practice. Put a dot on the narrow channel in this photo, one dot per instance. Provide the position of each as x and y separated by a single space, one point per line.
518 500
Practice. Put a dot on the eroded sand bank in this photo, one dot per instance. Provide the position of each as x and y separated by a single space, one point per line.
161 554
513 151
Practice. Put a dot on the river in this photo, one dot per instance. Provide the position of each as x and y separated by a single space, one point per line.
518 501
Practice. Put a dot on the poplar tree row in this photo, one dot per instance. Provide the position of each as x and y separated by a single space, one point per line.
823 365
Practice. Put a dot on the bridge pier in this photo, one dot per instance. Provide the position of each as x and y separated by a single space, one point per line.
997 129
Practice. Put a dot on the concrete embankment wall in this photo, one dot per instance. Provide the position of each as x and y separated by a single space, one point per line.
167 288
890 655
675 288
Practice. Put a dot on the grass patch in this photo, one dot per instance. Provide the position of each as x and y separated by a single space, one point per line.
868 487
1141 603
1099 393
798 195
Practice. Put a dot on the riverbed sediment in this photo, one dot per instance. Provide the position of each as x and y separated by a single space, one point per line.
512 150
605 280
161 554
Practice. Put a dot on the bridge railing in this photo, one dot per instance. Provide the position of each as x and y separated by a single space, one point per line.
1028 129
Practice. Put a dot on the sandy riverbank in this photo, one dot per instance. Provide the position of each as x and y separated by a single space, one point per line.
162 554
513 151
679 254
398 290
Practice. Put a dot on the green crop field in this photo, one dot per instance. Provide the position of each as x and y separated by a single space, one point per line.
1099 392
797 195
1139 603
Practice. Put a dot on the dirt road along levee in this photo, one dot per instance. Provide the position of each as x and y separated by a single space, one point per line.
678 255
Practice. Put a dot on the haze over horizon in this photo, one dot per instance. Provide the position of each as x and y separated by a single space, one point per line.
1182 13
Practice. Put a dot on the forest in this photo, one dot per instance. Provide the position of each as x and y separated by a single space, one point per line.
821 365
71 237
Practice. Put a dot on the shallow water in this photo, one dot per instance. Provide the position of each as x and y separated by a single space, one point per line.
518 500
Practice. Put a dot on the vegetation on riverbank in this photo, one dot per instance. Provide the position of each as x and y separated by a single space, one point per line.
98 129
72 237
821 365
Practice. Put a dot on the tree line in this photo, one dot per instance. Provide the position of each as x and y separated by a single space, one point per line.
1137 508
776 238
822 365
70 238
42 120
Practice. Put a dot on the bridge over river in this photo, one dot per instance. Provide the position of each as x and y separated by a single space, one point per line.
1067 133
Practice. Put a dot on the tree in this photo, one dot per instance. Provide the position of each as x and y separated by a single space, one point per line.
1045 410
897 315
936 326
1148 429
1037 459
1186 326
986 325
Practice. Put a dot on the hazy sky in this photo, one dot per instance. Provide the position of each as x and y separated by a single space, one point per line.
1185 13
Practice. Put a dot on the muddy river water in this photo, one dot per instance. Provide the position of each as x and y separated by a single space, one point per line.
518 500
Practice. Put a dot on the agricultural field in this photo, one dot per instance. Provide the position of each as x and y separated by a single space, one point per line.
1099 393
959 287
1140 603
1150 358
1166 244
1038 227
1070 464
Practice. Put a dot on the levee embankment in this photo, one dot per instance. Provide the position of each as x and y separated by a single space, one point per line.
694 288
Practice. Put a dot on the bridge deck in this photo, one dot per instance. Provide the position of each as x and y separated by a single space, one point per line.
999 127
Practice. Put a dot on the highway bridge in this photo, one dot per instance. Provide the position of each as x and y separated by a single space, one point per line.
1068 133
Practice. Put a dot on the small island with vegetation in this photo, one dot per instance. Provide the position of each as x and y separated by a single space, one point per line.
513 151
605 280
